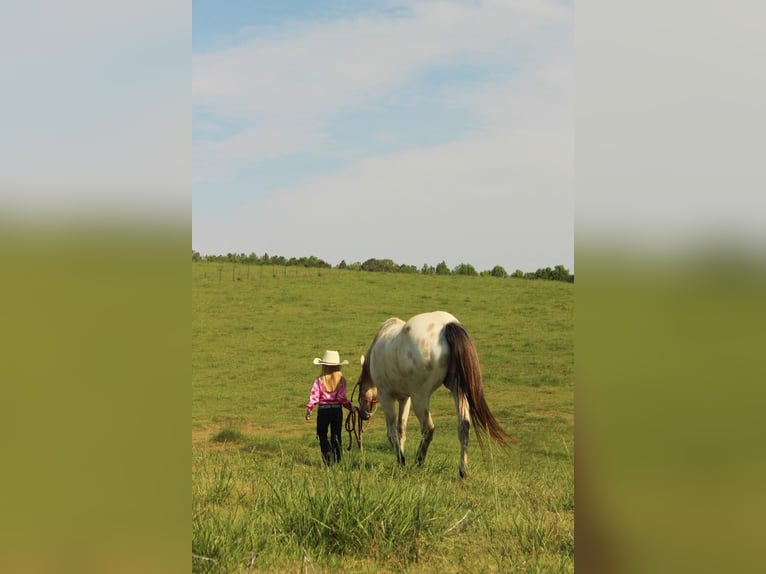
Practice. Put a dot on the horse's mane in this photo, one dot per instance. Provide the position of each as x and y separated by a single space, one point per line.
365 376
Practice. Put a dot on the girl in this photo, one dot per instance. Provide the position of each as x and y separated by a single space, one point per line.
329 392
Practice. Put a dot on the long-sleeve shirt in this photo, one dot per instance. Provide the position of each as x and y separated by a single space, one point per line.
320 395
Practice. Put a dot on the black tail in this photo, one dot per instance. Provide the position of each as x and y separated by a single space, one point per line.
465 371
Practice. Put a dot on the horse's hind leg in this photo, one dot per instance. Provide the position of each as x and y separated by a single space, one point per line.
426 430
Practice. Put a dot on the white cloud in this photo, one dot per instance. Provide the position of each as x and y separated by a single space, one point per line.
311 72
490 200
305 69
219 160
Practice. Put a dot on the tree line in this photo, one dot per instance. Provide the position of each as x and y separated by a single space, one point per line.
557 273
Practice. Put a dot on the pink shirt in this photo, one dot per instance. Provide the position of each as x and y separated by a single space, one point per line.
321 396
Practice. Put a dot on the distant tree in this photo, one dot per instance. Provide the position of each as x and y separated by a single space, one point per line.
464 269
379 265
388 265
558 273
561 273
314 261
499 271
546 273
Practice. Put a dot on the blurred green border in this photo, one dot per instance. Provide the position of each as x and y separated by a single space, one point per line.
669 399
96 374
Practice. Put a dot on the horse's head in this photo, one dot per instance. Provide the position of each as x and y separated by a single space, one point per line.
368 392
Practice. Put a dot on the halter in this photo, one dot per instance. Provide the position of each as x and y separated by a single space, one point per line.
354 421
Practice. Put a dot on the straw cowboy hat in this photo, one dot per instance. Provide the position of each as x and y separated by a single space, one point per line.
330 358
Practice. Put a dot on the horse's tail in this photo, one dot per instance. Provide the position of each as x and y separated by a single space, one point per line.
465 373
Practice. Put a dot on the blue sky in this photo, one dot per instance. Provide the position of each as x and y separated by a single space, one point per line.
415 131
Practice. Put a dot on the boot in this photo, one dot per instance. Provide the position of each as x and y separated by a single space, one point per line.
336 450
324 446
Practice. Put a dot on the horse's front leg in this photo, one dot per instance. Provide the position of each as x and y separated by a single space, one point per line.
392 427
404 413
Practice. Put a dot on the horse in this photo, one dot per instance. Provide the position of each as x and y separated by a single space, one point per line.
407 362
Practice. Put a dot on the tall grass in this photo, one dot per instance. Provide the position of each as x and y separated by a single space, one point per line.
376 517
263 502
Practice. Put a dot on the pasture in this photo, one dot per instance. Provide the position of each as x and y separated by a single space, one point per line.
263 502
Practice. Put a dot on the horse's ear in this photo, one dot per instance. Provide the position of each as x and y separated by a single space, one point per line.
361 360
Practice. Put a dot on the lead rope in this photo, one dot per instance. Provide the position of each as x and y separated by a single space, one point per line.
354 426
354 422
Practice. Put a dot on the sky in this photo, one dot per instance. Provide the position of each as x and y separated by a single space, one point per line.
420 132
415 131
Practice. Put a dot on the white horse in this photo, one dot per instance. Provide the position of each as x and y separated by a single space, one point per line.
407 362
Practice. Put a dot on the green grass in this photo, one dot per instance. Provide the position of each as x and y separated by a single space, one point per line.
261 498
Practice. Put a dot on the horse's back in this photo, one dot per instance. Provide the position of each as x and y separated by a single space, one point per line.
413 357
429 322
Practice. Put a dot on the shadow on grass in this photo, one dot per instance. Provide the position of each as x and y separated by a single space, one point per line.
228 435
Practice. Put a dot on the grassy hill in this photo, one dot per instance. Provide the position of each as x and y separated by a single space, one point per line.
261 499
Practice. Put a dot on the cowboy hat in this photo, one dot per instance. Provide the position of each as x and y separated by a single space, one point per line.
330 358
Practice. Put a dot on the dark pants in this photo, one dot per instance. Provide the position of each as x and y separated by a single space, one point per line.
332 418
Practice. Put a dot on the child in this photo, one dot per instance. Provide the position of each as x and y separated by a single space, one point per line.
329 392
